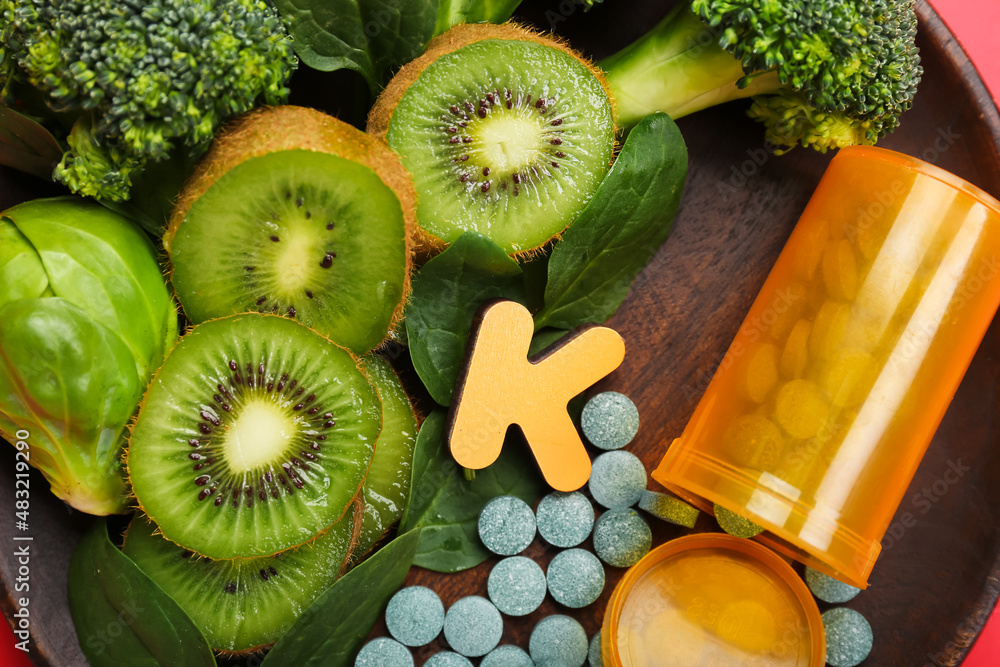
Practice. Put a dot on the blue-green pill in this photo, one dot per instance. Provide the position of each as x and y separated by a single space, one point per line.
828 589
473 626
610 420
447 659
565 519
594 656
622 537
848 637
415 616
558 641
506 525
516 586
617 479
575 578
507 656
668 508
383 652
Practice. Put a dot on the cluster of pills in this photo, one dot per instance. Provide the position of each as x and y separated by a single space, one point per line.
517 585
849 636
473 628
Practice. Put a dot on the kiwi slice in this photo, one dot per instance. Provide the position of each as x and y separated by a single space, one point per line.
296 213
254 436
243 603
387 487
505 132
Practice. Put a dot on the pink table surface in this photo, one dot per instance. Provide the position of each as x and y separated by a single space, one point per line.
976 23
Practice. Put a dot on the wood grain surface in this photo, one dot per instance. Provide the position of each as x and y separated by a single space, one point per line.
936 582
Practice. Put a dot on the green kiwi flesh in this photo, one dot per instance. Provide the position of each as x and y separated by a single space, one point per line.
255 435
387 487
505 137
242 603
300 233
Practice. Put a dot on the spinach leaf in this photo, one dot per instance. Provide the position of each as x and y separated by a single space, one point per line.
333 628
26 145
375 37
121 616
371 37
445 506
594 263
447 292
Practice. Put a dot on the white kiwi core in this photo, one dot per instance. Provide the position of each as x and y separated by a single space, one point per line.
508 141
258 436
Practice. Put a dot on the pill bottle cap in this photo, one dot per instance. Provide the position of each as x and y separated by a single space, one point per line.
711 598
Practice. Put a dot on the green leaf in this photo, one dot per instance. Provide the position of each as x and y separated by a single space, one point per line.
106 266
445 506
22 275
121 616
376 37
594 263
333 628
27 146
447 292
371 37
72 384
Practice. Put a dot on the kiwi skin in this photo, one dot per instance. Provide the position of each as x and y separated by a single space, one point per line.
287 127
462 35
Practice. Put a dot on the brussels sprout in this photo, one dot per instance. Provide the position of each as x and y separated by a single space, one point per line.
85 320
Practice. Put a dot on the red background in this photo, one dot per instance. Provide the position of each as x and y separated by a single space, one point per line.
977 25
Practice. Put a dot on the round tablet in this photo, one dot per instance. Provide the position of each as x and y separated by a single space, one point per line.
383 652
668 508
622 537
594 656
506 525
828 589
848 637
507 656
558 641
565 519
516 586
575 578
473 626
609 420
736 525
415 616
617 479
447 659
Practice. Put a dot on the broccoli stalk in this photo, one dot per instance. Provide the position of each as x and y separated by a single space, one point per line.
824 73
138 80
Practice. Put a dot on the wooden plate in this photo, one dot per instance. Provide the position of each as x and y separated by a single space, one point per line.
936 581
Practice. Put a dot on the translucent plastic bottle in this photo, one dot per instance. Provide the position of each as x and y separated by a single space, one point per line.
828 397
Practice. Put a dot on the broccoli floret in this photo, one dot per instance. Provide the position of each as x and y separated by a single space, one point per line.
142 77
823 73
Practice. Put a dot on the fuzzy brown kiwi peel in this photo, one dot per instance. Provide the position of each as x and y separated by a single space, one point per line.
505 131
294 212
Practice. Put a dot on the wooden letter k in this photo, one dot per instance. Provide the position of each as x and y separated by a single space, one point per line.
500 387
